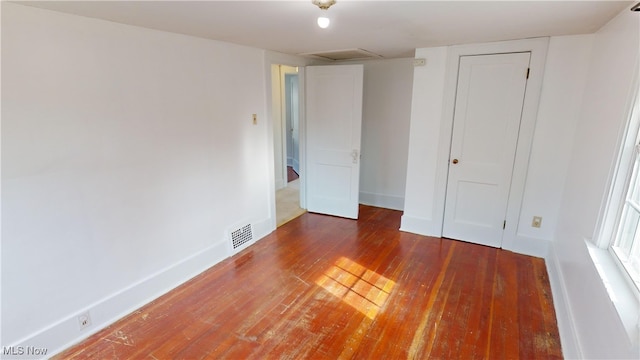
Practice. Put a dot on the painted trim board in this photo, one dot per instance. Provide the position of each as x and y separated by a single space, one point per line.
65 333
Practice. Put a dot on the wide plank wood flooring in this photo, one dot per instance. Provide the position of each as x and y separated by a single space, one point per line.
321 287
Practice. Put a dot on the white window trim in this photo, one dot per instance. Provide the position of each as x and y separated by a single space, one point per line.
632 180
621 173
627 157
622 291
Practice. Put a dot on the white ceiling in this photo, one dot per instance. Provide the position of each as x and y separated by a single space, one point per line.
388 28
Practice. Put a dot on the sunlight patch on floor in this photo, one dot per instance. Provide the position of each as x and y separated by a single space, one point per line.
361 288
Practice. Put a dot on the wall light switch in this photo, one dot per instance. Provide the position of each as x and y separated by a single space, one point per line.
255 119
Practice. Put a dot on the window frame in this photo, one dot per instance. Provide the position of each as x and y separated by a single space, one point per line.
621 288
628 207
622 172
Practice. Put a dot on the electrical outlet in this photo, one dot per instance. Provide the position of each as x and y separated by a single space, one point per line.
537 221
84 320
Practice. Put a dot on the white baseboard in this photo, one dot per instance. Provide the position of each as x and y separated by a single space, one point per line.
263 228
381 200
420 226
280 183
529 246
522 245
65 333
564 317
296 166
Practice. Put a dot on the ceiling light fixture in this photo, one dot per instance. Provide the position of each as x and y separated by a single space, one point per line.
323 22
324 5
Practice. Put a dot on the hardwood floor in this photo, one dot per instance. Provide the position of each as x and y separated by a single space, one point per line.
291 174
322 287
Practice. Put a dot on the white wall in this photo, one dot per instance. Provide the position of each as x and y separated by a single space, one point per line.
385 132
126 155
424 141
592 322
559 99
565 74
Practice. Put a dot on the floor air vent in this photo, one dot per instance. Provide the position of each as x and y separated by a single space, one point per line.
241 236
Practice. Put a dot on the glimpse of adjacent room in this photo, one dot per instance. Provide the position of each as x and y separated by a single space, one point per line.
286 142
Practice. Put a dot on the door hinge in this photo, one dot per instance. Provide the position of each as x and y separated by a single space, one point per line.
504 224
528 70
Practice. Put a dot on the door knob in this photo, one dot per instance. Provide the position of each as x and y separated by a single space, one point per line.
455 161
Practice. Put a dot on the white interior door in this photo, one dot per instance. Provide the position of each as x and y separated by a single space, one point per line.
333 129
488 109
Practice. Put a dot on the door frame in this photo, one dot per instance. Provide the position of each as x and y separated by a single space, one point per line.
538 48
273 58
285 112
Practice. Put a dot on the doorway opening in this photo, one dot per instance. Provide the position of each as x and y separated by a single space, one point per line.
286 115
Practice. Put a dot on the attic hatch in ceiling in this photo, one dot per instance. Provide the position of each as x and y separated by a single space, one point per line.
341 55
